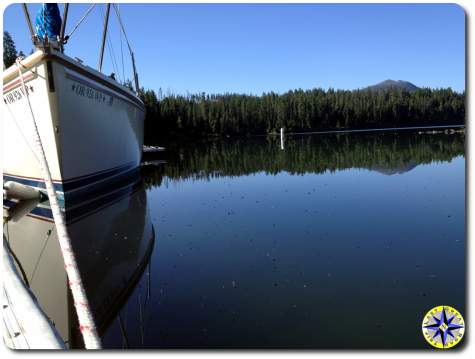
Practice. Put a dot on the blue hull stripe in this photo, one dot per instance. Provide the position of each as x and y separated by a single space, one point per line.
39 211
125 178
77 213
82 181
74 183
31 182
92 190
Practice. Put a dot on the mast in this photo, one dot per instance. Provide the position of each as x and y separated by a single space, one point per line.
63 24
104 35
136 76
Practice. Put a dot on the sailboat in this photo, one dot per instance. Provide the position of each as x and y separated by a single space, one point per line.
73 140
90 125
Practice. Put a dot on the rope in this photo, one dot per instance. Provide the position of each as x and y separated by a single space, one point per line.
80 22
86 321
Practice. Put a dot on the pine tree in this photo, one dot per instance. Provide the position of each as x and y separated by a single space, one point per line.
298 110
9 50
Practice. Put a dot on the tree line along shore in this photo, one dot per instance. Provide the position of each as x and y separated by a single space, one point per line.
298 111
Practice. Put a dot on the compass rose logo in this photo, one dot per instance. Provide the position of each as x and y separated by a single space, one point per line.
443 327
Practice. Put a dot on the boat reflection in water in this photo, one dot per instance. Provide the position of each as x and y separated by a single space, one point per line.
112 237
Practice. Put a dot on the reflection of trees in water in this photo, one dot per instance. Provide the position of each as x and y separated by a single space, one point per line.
387 153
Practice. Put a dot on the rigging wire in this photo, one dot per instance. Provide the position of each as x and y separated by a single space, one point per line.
116 9
38 260
115 67
15 258
79 22
123 333
112 56
121 53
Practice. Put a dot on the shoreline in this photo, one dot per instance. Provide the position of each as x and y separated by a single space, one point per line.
386 129
177 138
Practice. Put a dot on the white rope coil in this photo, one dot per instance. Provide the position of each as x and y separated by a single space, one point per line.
85 318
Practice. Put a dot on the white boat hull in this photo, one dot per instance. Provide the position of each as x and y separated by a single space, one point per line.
90 126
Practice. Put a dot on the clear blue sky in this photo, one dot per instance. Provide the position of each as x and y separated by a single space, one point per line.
249 48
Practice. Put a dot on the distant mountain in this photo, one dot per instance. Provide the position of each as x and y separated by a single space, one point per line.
390 84
393 170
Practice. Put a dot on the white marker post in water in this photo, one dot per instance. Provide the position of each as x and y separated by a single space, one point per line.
281 138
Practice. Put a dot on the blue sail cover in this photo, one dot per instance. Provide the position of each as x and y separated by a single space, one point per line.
48 21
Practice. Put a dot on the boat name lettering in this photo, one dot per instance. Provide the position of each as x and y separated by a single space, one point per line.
91 93
17 94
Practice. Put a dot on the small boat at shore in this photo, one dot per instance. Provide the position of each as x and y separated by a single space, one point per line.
91 126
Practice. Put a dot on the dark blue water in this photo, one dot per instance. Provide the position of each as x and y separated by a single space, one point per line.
337 241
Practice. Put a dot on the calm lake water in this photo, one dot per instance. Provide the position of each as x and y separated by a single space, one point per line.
337 241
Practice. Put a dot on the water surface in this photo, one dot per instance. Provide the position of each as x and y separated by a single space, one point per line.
336 241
